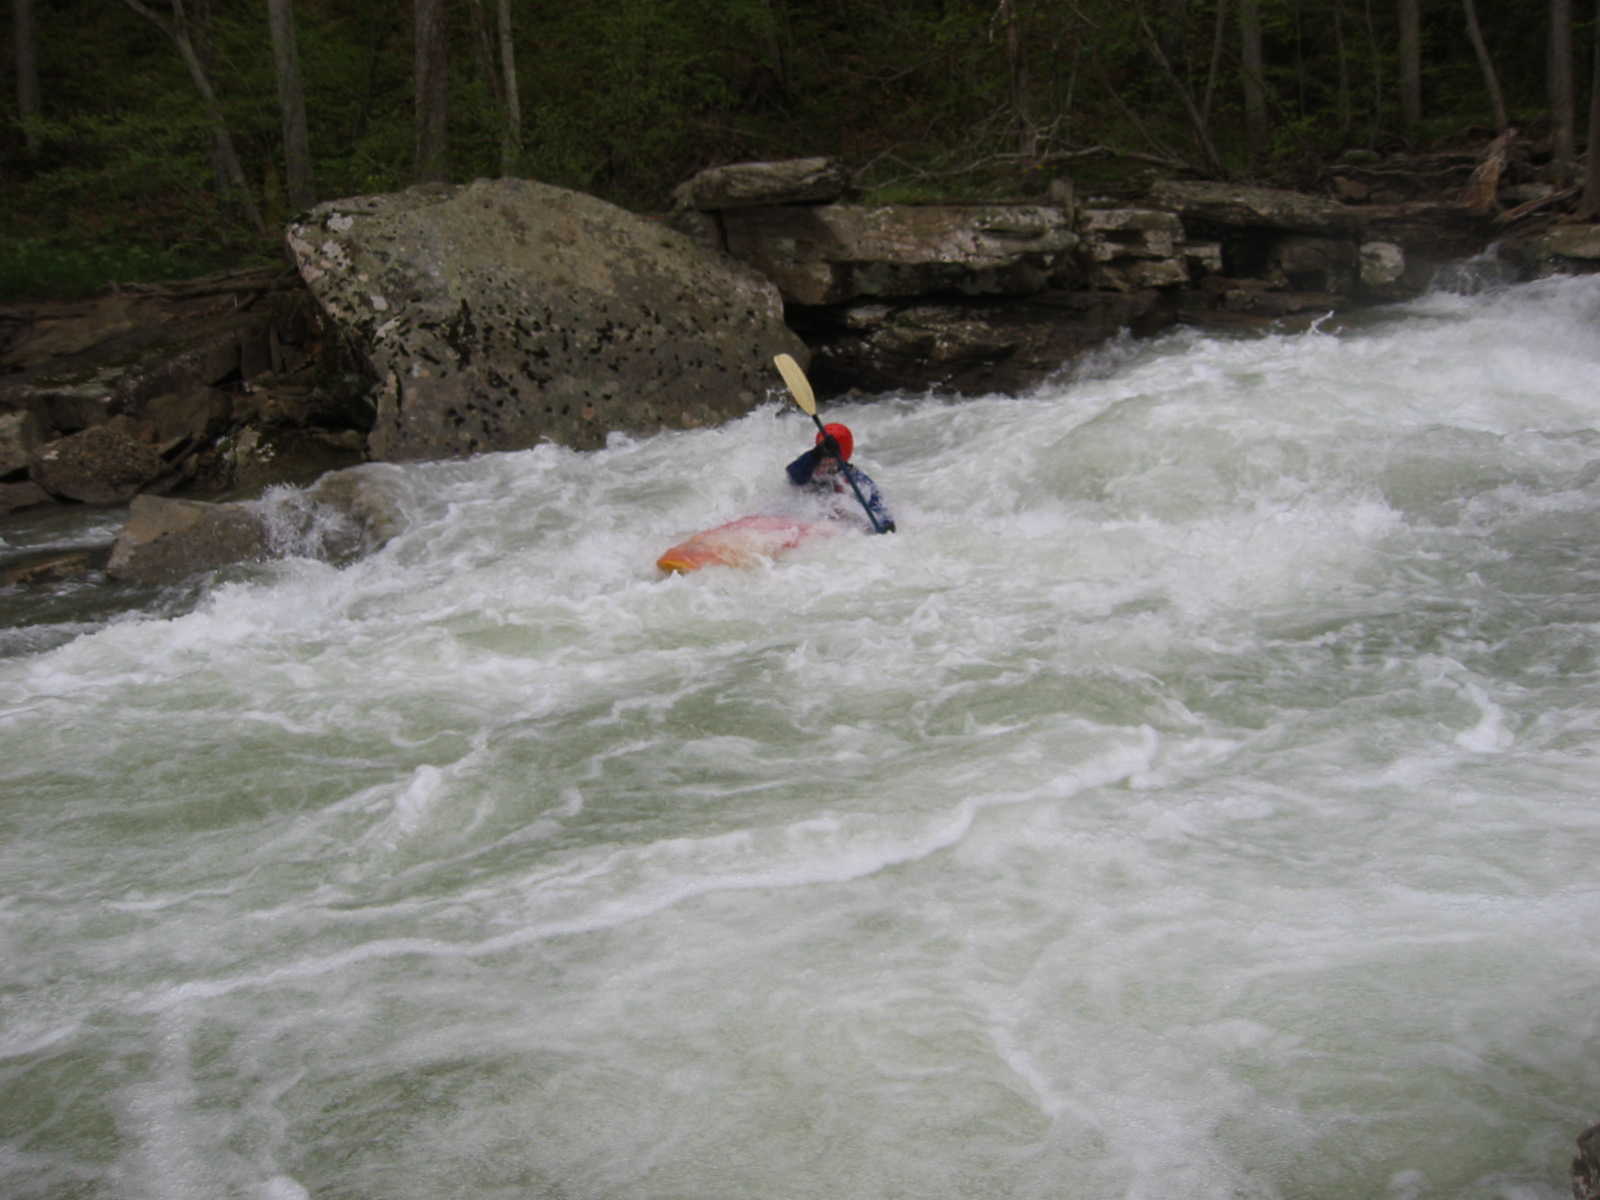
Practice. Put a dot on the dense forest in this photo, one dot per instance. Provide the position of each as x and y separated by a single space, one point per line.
151 139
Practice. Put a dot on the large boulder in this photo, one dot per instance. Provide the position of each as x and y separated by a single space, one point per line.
503 313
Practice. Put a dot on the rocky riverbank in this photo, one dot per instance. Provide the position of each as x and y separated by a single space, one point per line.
454 320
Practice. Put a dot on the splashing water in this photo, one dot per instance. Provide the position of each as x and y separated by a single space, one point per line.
1196 797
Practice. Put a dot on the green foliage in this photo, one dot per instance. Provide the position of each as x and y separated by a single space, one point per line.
118 198
924 99
71 268
621 97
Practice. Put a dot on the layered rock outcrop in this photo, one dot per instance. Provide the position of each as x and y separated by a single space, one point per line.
217 385
983 298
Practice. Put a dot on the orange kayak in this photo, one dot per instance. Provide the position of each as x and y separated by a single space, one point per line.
741 543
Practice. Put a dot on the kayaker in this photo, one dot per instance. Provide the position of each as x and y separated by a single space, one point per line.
826 468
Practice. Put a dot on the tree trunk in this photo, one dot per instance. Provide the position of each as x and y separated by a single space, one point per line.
497 62
1589 206
778 39
483 39
1490 79
1562 89
1410 18
1219 37
27 63
1006 17
1347 107
1253 75
432 82
1376 49
291 104
177 28
511 144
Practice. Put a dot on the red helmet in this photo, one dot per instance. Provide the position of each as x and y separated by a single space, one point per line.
840 434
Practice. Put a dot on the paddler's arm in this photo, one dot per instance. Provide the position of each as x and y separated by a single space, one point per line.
877 510
802 468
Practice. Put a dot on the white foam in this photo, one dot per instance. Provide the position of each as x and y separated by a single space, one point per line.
1122 819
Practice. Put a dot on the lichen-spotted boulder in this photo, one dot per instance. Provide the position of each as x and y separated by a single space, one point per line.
501 313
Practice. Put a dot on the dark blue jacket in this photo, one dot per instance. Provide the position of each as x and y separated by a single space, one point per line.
803 468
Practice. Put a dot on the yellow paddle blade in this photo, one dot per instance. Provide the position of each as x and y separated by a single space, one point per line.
799 385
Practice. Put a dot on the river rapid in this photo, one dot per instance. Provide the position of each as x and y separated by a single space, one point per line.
1195 798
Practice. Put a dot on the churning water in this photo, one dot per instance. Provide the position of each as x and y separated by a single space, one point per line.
1196 798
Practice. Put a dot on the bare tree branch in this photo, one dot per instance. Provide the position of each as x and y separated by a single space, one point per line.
1207 149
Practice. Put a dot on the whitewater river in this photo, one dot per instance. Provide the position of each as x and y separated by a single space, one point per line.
1195 799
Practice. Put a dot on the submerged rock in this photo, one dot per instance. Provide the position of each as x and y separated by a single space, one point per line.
56 567
347 513
166 539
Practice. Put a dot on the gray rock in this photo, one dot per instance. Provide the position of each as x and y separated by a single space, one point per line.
831 254
1112 233
367 497
1202 258
50 568
101 465
1262 298
1315 264
1383 266
16 496
345 514
503 313
1574 241
257 458
755 184
198 413
19 433
1133 275
80 365
166 539
1226 204
975 348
